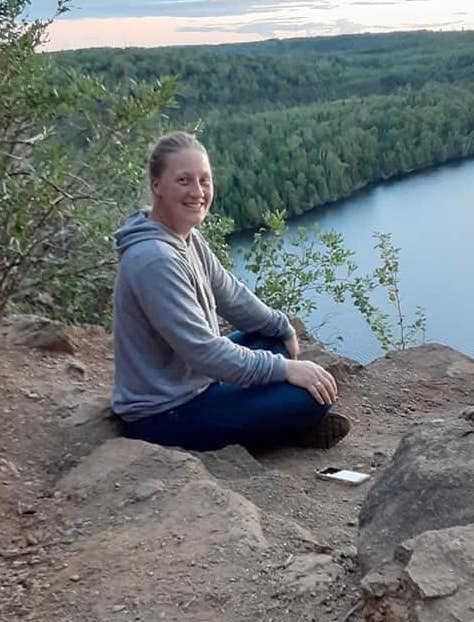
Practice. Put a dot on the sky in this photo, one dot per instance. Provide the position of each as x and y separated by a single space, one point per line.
151 23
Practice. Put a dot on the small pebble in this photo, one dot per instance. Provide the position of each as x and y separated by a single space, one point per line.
117 608
31 539
31 395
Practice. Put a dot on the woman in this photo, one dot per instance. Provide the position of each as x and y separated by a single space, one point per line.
177 381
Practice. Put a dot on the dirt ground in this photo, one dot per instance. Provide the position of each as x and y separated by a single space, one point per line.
98 528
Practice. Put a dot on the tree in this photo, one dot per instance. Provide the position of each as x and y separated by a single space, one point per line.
71 157
291 274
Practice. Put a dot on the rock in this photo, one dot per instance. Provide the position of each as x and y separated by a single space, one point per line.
131 463
339 366
85 418
9 466
428 484
441 564
416 536
430 363
302 332
206 514
31 395
461 368
170 535
193 507
76 371
39 332
430 580
118 608
197 524
232 462
377 583
90 409
297 537
312 572
468 414
31 539
428 356
25 508
148 489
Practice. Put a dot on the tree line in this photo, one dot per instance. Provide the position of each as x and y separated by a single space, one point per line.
296 124
73 149
304 157
273 75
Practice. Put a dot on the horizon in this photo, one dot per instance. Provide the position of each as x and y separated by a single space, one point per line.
156 23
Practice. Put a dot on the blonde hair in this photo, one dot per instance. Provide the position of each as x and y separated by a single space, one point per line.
166 146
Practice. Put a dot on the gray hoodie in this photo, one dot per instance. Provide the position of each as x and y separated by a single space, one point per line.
168 349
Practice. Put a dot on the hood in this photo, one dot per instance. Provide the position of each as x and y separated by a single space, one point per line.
139 228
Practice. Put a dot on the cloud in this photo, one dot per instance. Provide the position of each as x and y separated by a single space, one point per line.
173 8
284 28
166 22
374 2
268 29
434 26
135 32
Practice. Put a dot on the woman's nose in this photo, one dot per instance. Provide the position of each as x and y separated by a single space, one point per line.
197 189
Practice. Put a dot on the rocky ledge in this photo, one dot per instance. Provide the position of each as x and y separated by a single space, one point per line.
99 528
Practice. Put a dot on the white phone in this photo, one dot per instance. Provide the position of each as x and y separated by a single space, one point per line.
353 478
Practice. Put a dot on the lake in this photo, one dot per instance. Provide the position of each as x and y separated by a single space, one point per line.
430 216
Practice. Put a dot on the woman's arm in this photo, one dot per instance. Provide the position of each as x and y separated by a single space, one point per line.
238 305
164 289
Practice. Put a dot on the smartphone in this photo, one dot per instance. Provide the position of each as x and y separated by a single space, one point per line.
353 478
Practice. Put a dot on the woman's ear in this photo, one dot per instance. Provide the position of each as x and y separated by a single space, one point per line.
155 183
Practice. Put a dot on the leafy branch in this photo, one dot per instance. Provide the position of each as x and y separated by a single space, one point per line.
290 275
72 152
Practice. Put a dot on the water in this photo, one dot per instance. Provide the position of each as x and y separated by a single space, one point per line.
431 218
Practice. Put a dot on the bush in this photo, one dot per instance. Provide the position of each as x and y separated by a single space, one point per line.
72 156
291 274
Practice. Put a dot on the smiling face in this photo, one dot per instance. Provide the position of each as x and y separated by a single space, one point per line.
182 195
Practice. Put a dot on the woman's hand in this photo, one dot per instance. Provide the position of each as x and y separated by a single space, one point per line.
293 347
314 378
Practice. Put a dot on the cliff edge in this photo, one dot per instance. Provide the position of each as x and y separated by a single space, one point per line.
100 528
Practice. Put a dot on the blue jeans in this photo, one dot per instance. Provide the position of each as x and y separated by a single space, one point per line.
258 417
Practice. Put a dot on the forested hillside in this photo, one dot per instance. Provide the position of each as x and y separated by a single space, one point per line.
294 124
303 157
290 125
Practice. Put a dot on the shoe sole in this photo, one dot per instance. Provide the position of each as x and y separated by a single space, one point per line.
332 429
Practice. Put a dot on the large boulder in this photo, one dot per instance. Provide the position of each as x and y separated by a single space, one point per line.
430 580
440 564
84 417
416 527
116 470
39 332
429 484
158 535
